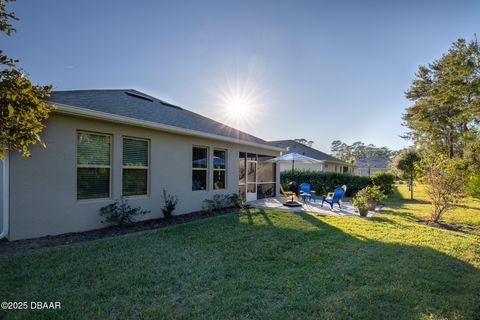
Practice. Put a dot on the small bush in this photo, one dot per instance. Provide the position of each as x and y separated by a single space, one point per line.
323 181
120 213
361 203
169 204
221 201
445 184
372 193
385 181
473 186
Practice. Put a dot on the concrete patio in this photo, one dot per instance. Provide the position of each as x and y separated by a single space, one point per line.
309 206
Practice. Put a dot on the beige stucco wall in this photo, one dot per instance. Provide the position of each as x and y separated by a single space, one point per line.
43 187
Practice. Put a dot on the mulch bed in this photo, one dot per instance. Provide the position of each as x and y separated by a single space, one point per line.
73 237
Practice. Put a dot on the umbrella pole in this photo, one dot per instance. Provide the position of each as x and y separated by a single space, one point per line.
293 167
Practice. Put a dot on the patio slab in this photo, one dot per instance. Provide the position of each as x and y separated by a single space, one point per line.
309 206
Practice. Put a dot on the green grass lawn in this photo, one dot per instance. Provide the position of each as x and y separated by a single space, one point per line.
262 264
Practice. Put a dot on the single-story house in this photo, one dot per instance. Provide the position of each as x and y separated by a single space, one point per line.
367 167
328 162
106 144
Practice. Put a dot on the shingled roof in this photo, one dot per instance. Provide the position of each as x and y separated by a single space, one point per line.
373 163
140 106
300 148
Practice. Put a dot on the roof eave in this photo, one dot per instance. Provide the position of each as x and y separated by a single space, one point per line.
98 115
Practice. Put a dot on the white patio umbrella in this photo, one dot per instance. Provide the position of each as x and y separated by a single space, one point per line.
292 157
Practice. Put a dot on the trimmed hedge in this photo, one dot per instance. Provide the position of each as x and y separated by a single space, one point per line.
385 180
473 186
324 181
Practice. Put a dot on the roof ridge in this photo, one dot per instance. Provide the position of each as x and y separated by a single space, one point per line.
83 90
209 124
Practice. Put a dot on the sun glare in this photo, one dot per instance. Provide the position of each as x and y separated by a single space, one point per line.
239 102
238 108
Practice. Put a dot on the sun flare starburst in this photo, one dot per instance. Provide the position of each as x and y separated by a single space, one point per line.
239 103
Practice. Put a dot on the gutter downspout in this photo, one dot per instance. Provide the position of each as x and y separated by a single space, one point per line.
6 199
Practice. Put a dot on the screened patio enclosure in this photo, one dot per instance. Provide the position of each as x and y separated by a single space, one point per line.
257 177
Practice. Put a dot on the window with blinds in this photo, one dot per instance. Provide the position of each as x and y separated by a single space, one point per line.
94 154
135 166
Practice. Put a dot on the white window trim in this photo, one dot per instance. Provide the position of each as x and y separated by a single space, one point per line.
207 169
224 169
138 167
110 191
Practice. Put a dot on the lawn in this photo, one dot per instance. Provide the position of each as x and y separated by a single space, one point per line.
262 264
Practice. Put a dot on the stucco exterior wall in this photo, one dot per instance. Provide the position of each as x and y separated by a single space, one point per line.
1 194
43 199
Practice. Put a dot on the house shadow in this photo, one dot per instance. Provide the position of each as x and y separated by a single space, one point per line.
315 270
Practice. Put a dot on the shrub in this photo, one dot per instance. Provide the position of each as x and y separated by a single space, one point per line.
120 213
473 185
385 181
361 203
323 181
372 193
221 201
169 204
445 184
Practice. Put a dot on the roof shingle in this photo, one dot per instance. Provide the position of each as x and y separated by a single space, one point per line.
137 105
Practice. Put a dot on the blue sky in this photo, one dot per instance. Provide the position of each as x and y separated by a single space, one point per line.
314 69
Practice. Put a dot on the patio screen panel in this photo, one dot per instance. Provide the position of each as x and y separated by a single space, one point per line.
266 185
242 164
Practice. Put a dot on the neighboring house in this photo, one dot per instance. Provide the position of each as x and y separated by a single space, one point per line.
106 144
367 167
328 163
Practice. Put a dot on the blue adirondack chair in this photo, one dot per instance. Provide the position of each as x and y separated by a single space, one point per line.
307 192
335 198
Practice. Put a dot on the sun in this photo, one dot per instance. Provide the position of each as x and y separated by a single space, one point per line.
238 101
238 108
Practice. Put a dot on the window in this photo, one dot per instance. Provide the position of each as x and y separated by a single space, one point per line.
135 167
94 153
199 168
219 169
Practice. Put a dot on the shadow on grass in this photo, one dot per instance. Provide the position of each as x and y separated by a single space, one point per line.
464 206
398 281
236 266
397 202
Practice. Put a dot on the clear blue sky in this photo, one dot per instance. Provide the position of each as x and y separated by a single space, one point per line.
317 70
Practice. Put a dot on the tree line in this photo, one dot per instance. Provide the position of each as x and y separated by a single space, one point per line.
359 150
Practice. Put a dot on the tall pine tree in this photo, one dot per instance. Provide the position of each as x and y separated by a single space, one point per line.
445 115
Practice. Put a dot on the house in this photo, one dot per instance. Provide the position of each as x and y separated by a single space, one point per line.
106 144
367 167
328 163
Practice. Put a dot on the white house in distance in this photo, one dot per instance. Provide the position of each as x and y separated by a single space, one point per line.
328 162
367 167
106 144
